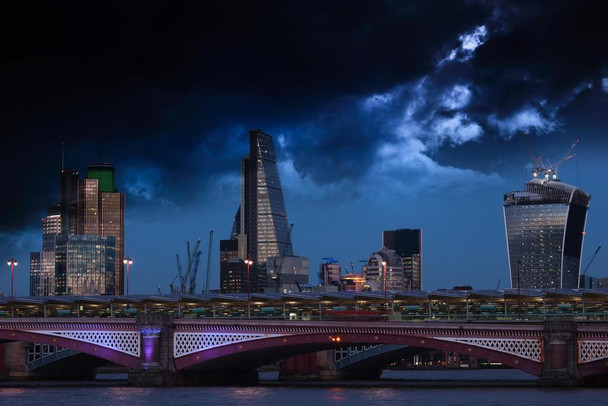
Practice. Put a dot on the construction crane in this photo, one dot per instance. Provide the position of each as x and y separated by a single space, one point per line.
548 168
206 289
591 260
187 279
277 271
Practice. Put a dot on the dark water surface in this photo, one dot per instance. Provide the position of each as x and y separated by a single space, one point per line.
396 387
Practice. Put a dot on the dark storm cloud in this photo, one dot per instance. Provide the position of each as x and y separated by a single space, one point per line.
168 90
147 85
544 52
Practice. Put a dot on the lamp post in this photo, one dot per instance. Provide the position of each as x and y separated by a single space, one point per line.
248 262
127 261
384 279
12 263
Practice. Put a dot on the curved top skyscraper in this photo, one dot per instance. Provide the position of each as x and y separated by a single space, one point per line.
545 226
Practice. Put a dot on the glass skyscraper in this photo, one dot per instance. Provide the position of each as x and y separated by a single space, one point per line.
260 225
79 235
90 265
545 225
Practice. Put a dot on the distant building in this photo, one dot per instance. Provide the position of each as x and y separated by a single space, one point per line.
384 271
545 225
292 276
111 215
42 264
329 273
233 270
90 265
90 207
233 276
260 226
36 274
408 244
352 282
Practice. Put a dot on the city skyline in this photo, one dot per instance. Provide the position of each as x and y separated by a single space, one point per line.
385 116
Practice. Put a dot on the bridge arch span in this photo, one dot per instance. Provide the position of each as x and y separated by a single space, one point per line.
96 349
257 352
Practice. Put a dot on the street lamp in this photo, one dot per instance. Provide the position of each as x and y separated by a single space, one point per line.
384 278
12 263
248 262
127 261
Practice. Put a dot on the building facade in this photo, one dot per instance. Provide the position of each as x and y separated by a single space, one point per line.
90 265
545 226
408 244
88 207
260 226
384 271
329 273
293 274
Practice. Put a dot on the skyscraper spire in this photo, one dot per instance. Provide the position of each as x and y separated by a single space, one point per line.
62 157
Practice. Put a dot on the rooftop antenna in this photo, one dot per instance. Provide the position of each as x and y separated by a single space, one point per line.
62 157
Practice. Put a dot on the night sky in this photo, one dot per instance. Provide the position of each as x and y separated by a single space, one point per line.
385 115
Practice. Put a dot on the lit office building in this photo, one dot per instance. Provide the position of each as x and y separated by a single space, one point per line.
233 270
90 265
384 271
329 273
545 225
90 207
42 264
352 282
260 225
408 244
102 212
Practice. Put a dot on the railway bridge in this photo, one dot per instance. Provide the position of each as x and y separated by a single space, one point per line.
162 350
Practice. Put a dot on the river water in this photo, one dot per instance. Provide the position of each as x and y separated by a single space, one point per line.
494 387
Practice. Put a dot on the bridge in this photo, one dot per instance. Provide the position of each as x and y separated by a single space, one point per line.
162 350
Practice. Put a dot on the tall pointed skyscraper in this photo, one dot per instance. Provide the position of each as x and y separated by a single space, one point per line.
260 225
545 225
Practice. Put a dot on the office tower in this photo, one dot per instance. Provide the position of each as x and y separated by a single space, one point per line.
408 244
42 264
260 225
293 274
384 271
88 207
233 270
35 273
329 273
69 201
545 225
90 265
102 212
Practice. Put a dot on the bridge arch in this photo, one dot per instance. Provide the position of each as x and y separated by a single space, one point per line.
95 349
257 352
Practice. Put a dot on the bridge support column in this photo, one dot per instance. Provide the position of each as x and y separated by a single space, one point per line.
157 367
560 356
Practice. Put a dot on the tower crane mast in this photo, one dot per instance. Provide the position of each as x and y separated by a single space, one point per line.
277 273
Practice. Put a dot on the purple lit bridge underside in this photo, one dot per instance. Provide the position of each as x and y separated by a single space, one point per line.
228 344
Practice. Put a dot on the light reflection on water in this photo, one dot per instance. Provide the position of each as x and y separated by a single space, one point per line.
376 392
295 396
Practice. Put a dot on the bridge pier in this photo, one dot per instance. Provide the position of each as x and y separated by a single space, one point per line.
560 354
157 366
